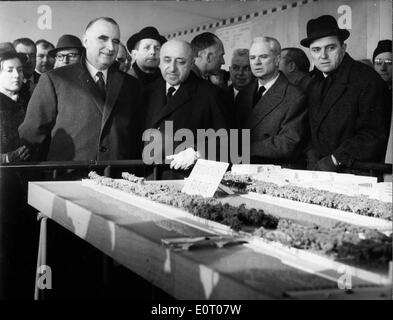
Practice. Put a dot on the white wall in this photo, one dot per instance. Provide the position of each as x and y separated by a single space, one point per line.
371 20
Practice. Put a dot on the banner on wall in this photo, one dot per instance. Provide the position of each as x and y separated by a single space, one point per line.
234 37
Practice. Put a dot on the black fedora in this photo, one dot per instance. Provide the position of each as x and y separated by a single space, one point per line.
324 26
67 41
145 33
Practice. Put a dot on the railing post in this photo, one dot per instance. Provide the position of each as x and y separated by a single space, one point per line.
107 171
155 173
41 258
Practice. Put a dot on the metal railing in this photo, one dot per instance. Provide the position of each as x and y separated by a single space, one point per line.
84 164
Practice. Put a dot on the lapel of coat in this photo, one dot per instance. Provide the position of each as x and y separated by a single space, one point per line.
336 90
181 96
89 85
268 102
113 87
156 103
243 105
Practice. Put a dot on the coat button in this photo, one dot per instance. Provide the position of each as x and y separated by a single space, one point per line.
103 149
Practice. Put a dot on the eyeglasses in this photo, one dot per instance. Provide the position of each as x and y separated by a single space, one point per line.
379 62
70 56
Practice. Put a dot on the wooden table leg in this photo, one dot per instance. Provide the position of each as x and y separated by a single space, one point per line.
41 258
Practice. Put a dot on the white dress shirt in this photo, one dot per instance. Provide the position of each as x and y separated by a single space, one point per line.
93 72
168 86
269 84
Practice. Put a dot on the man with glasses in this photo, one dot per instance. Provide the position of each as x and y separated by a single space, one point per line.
346 103
382 60
27 48
68 50
85 110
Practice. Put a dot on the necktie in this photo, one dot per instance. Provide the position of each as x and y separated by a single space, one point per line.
326 85
258 95
101 83
169 94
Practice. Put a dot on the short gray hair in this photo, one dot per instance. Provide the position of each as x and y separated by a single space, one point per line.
241 53
275 46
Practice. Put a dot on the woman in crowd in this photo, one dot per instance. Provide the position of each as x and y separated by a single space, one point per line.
11 108
16 270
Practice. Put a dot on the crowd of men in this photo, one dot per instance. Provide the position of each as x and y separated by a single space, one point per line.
95 98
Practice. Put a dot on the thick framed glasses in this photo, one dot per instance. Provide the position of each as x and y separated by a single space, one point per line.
379 62
70 56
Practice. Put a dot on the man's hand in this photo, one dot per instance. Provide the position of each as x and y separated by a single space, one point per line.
20 154
184 159
325 164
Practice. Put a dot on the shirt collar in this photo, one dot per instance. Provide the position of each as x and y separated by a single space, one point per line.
269 84
168 86
93 71
14 96
235 92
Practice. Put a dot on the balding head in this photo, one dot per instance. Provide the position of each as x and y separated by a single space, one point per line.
176 60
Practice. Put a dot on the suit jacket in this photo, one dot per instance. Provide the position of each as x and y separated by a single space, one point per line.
195 105
350 122
276 122
68 119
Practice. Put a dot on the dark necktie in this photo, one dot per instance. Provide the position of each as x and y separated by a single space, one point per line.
327 82
101 83
170 93
258 95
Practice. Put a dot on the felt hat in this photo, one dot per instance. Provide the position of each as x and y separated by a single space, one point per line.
67 41
383 46
323 26
145 33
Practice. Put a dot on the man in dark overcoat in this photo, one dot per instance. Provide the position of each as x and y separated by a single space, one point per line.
273 109
183 101
346 101
85 111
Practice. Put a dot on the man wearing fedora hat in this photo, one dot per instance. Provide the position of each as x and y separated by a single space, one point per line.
145 47
346 101
68 50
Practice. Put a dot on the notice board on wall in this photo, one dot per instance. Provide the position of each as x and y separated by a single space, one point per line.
234 37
